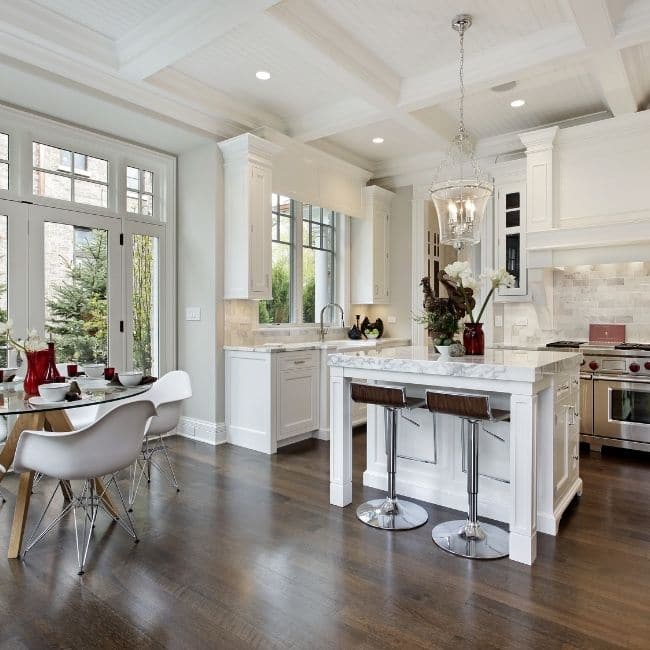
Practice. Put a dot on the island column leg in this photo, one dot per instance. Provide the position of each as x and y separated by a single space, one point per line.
523 478
340 439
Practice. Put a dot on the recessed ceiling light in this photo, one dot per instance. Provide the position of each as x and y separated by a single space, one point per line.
378 140
263 75
517 103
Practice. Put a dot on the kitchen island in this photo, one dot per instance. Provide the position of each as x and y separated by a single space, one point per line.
529 466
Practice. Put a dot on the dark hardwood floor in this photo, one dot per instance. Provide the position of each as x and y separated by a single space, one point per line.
251 554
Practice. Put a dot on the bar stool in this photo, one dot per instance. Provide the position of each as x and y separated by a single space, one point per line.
469 538
389 513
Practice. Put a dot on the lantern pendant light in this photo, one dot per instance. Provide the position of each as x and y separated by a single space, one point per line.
460 191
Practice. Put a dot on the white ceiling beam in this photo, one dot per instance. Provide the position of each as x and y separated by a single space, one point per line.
340 55
594 21
178 29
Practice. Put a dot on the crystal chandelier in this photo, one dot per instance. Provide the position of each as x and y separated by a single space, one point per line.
460 191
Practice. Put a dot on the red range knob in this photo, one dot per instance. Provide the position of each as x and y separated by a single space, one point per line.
635 367
646 365
593 365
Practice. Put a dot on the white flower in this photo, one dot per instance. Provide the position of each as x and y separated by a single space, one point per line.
499 278
5 328
461 272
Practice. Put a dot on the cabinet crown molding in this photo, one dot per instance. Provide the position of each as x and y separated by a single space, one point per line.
378 193
540 140
246 146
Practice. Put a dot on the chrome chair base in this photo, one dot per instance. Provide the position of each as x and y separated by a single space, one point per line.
477 541
392 514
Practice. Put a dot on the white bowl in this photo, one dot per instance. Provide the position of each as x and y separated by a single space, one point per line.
94 370
53 392
130 378
444 350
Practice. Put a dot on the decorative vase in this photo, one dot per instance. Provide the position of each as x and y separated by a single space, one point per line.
474 339
37 363
52 374
444 351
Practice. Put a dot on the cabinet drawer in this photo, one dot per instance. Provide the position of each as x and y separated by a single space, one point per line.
295 360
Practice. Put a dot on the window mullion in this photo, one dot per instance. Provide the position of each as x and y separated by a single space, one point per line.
296 274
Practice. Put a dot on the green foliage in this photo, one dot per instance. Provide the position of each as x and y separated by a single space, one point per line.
278 309
308 286
441 319
143 297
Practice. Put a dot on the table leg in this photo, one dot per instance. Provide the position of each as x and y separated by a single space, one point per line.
20 514
340 439
24 422
523 478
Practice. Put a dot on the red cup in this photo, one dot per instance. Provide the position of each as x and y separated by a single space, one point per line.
72 369
109 373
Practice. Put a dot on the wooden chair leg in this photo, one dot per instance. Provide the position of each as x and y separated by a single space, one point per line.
100 488
20 514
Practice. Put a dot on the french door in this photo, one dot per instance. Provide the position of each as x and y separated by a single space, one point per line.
90 281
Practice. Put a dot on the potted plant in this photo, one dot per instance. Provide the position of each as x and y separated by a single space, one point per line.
461 274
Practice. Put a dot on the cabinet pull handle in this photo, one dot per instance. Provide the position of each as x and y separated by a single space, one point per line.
299 361
267 280
576 457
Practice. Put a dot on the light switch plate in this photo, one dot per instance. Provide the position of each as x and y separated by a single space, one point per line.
192 313
498 321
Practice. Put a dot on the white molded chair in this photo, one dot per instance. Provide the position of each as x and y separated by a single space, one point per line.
168 394
103 448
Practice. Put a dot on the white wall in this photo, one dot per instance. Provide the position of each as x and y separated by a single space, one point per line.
200 279
400 270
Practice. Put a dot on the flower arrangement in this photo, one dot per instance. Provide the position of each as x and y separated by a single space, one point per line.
33 343
461 274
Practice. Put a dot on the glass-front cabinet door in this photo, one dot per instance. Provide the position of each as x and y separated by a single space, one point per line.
511 236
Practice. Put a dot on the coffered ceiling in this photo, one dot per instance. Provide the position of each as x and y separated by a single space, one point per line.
342 71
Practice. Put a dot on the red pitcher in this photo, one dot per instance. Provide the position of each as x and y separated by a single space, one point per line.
37 363
474 338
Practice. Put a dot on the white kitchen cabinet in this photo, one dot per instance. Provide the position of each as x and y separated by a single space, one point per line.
297 397
370 249
248 219
272 398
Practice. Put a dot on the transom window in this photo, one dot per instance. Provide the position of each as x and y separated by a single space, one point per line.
69 176
303 262
139 191
4 161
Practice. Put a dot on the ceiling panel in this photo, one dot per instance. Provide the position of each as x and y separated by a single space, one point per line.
637 64
398 141
111 18
415 36
229 64
559 93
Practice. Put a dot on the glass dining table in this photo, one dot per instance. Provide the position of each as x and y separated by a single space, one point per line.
34 415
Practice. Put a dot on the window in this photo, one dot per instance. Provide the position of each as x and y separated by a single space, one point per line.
303 262
139 191
317 261
279 308
56 177
4 161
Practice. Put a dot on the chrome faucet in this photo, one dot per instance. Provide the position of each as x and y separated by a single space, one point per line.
323 330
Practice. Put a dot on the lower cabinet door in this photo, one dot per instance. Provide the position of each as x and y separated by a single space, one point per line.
297 401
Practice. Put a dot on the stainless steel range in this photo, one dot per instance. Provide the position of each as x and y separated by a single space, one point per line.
615 393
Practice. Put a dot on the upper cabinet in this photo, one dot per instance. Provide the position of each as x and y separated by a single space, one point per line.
248 218
510 229
370 249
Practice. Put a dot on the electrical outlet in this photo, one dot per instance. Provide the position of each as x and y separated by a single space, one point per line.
391 320
192 313
521 322
498 321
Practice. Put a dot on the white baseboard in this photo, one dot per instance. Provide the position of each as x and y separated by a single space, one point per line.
214 433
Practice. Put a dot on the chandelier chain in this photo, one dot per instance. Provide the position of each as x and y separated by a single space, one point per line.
461 79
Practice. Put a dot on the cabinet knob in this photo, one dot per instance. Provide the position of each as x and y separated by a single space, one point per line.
576 457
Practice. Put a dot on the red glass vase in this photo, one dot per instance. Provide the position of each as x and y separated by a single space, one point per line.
52 375
474 338
37 363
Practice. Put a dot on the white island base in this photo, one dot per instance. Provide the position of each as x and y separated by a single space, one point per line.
529 467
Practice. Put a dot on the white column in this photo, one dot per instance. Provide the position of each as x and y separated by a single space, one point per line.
418 258
340 439
321 293
523 478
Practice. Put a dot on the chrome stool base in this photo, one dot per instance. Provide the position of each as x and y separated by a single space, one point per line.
484 541
392 514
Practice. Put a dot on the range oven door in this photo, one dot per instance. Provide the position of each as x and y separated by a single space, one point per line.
622 408
586 404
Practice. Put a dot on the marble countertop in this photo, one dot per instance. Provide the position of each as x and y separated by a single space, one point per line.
336 344
504 364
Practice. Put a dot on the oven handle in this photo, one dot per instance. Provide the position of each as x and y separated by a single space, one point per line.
622 380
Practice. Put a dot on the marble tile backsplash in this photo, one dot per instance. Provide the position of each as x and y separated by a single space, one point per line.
604 293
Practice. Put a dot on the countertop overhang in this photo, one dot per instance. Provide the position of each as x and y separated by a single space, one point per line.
505 365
